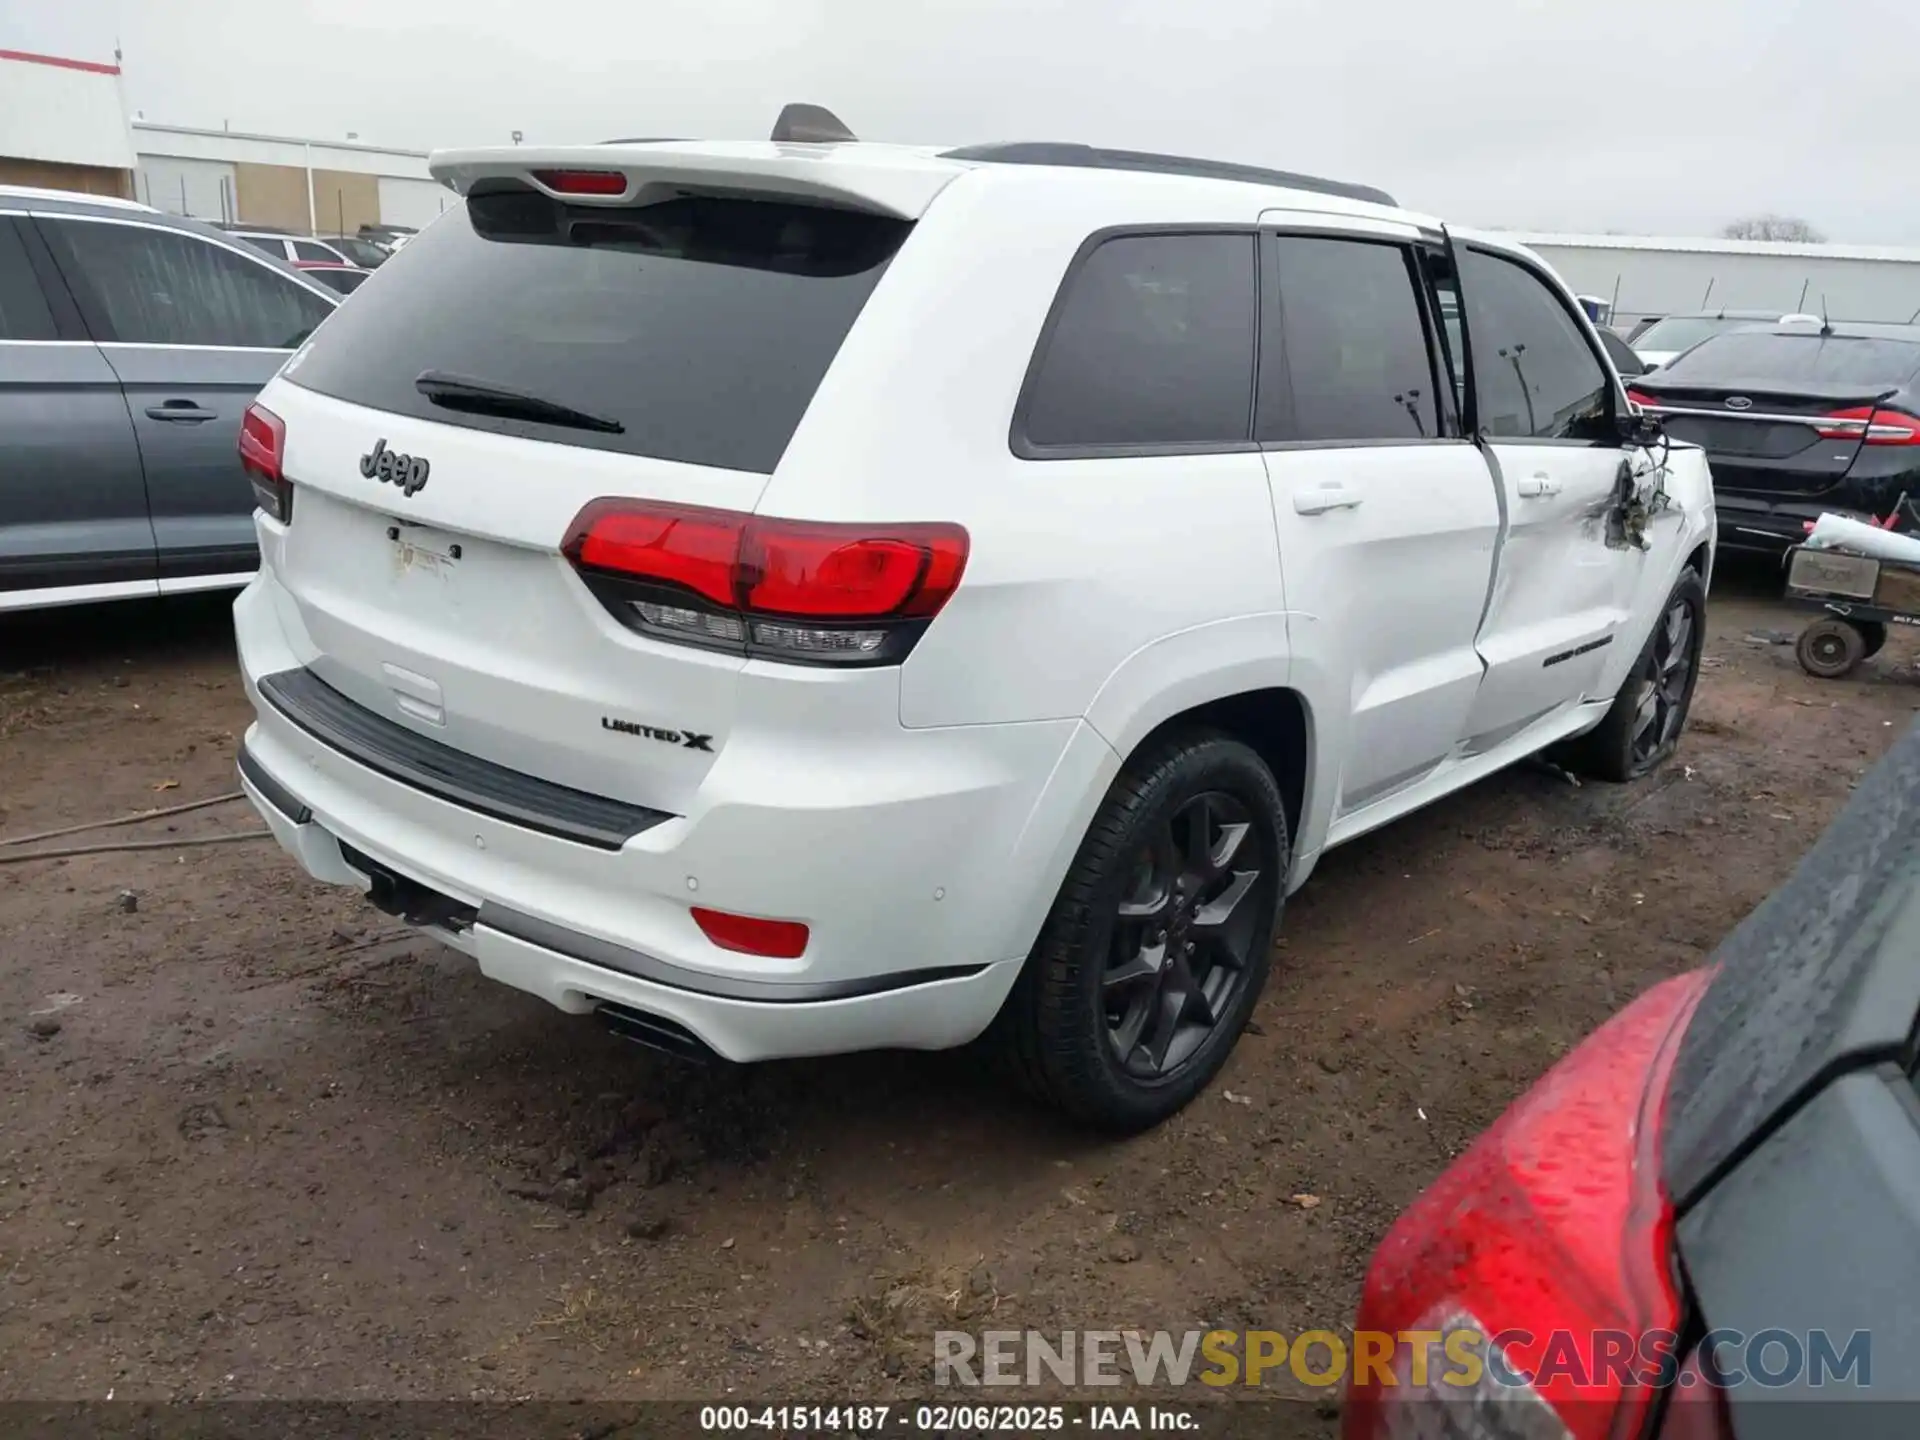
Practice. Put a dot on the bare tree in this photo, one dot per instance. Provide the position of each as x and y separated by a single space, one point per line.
1774 227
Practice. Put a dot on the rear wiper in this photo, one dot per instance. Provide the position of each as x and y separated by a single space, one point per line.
481 397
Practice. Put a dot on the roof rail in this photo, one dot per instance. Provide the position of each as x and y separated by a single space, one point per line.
41 192
647 140
1088 157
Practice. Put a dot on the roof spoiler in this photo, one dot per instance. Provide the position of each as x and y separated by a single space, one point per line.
852 177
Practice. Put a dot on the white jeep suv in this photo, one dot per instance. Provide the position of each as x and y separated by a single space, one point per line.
795 598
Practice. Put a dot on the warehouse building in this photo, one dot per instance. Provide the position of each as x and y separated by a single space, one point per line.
63 124
322 187
1643 276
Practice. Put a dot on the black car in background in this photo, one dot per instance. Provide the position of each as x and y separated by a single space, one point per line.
1796 421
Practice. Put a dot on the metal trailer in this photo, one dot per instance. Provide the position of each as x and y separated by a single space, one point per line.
1858 597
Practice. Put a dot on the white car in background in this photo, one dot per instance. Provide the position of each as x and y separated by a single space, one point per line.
1658 342
834 596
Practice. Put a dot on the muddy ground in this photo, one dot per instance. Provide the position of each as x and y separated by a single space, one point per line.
278 1147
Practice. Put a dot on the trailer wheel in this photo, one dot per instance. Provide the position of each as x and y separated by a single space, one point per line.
1830 648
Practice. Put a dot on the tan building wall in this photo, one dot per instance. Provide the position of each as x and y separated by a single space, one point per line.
276 195
344 200
52 175
271 195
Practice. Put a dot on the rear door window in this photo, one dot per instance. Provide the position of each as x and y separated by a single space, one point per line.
24 312
698 328
144 285
1535 375
314 250
1352 362
1151 345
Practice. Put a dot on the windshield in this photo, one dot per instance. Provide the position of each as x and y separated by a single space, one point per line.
1762 355
1683 332
697 328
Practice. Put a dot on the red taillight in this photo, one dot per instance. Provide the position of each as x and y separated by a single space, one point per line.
583 182
810 591
263 448
682 545
1872 426
774 939
1552 1236
1642 399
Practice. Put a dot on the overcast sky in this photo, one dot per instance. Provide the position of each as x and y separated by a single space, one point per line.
1649 116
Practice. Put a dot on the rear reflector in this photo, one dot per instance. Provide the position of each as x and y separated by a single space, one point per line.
263 447
1880 426
583 182
807 591
774 939
1552 1237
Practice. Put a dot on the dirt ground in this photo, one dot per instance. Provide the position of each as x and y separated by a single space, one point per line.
256 1140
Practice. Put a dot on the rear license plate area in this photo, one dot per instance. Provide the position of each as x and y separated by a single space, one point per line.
418 548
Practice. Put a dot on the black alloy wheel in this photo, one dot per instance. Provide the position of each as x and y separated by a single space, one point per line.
1643 725
1159 941
1183 933
1666 684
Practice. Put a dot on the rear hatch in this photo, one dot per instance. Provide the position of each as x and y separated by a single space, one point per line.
588 324
1781 415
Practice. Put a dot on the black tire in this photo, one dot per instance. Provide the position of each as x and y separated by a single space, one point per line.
1830 648
1058 1033
1875 633
1621 748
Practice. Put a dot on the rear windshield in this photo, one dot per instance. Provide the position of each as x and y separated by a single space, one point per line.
1763 355
696 329
1683 332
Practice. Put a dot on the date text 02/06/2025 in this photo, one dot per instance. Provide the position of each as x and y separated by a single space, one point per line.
865 1420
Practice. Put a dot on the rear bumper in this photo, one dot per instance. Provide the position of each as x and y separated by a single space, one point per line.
579 973
922 862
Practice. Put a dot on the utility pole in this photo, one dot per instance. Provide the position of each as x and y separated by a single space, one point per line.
313 211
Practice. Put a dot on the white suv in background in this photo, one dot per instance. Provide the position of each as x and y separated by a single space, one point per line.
836 596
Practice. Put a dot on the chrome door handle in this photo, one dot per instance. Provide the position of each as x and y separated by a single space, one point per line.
1536 487
1322 498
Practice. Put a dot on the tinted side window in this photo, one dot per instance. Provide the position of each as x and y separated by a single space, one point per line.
1533 370
147 286
272 244
314 250
1152 344
1352 360
24 314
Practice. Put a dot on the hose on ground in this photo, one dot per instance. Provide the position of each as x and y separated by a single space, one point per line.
126 845
134 819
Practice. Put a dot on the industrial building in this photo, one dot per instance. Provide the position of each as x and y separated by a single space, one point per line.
64 126
325 187
1643 276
